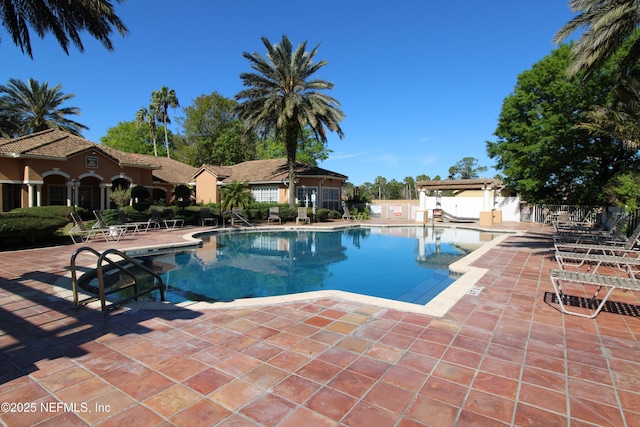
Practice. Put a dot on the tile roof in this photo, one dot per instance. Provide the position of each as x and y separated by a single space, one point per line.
54 143
272 170
168 170
49 143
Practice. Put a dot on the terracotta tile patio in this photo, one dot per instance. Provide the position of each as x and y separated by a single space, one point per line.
505 356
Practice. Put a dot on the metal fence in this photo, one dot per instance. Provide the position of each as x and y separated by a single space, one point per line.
544 214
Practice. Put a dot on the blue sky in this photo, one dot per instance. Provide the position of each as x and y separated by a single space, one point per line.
421 82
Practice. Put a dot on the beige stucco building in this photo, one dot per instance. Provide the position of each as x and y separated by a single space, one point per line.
269 182
53 167
56 168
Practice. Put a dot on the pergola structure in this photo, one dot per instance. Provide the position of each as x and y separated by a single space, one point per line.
461 184
487 185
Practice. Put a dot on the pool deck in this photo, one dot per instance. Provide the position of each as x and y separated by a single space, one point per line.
500 355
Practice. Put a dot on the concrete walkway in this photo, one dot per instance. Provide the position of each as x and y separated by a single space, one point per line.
503 356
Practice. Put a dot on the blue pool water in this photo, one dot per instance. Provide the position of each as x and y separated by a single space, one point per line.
402 263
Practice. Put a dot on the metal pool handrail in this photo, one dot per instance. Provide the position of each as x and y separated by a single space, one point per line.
102 291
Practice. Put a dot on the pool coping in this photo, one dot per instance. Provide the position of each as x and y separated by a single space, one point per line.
437 307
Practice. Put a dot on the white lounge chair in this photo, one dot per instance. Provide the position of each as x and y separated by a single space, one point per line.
302 216
617 247
558 277
116 231
135 226
159 221
587 234
83 233
629 263
346 216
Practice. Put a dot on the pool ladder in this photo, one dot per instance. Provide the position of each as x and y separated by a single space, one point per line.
103 258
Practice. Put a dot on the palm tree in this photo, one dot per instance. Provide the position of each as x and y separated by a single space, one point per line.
608 24
282 97
620 120
149 116
164 98
65 19
33 107
235 194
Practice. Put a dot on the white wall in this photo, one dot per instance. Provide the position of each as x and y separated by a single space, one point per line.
461 207
470 207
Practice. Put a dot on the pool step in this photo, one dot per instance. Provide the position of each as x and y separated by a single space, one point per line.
424 292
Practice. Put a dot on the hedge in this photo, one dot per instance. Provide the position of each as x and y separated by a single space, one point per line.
29 227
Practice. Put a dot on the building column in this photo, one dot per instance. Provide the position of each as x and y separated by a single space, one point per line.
486 202
38 195
423 199
102 197
69 194
30 189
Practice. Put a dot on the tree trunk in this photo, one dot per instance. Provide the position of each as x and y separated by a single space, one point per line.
291 143
166 138
292 183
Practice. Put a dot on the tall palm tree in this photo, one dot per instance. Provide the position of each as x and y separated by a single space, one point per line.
621 119
33 107
282 97
65 19
149 116
164 98
608 24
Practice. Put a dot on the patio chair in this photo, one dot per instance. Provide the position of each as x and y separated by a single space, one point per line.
616 247
159 221
628 263
83 233
136 226
558 277
302 216
562 220
274 214
346 216
116 231
207 218
589 234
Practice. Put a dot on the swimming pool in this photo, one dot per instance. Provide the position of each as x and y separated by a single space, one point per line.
407 264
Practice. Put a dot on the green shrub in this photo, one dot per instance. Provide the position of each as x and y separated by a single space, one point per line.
287 214
121 197
141 198
322 214
31 227
110 216
61 211
182 196
134 215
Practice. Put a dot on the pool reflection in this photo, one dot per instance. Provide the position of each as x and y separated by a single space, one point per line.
407 264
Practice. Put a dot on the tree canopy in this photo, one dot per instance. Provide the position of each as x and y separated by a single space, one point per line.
132 137
213 134
283 97
606 25
163 99
467 168
33 107
541 149
65 19
311 150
